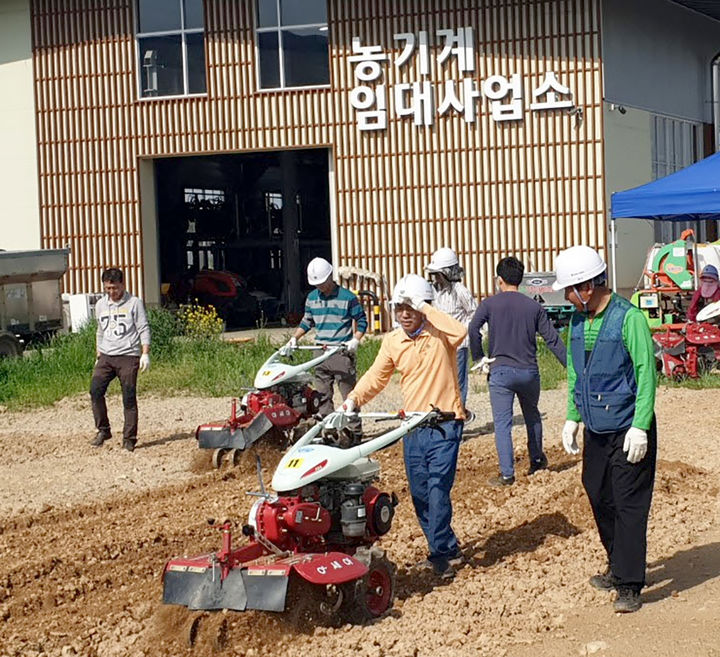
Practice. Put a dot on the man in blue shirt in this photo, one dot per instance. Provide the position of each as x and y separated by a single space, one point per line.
514 321
338 318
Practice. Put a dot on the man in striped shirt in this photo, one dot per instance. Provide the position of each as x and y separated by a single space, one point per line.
338 318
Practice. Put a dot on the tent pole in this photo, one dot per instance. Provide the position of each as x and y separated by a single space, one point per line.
613 254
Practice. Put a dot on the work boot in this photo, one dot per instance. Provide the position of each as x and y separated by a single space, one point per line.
500 481
627 601
129 444
100 438
603 581
540 464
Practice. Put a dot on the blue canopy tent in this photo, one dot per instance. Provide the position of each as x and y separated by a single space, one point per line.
691 194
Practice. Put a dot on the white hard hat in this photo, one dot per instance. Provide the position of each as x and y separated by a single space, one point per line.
318 271
577 265
443 258
412 285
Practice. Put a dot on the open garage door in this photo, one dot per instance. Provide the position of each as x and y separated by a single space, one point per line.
237 231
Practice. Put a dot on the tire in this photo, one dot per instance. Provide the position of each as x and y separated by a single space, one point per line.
10 346
373 595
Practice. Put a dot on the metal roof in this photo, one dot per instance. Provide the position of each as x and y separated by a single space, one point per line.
710 8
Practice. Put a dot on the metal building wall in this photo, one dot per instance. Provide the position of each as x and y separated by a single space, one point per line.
489 189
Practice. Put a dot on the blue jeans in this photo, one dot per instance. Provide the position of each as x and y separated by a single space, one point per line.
430 460
505 383
462 363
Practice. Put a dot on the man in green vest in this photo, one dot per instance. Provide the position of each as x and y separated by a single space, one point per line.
611 390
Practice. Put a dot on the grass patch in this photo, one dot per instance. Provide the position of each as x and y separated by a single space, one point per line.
708 380
208 367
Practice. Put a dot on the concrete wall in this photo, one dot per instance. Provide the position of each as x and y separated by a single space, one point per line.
149 232
20 212
628 163
657 57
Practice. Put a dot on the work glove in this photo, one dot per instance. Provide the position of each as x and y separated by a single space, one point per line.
635 444
483 365
291 346
144 362
569 437
347 407
352 345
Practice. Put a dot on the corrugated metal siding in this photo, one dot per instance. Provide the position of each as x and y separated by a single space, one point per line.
489 189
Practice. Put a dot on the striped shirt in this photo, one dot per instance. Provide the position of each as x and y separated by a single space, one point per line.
458 302
332 316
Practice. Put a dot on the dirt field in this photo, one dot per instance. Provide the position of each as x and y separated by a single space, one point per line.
84 534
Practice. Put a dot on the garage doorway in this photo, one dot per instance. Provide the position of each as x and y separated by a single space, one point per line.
237 231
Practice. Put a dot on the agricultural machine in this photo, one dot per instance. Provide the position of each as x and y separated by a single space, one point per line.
689 350
311 549
281 399
670 277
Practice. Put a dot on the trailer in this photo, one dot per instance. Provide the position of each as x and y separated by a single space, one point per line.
30 301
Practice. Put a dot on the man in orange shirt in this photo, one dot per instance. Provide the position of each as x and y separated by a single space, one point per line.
423 349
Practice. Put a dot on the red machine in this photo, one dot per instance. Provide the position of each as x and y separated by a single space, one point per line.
282 399
687 350
311 550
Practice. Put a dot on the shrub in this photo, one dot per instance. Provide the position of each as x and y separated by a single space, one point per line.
200 322
164 326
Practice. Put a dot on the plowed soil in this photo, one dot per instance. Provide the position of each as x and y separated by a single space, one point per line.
85 532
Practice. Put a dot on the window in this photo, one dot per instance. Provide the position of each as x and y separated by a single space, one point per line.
171 47
292 43
676 144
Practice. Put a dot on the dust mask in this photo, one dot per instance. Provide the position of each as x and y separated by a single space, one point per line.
580 297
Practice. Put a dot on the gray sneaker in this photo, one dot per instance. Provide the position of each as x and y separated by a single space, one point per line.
627 601
100 438
603 581
500 481
458 560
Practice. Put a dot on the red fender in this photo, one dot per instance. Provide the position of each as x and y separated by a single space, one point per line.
330 568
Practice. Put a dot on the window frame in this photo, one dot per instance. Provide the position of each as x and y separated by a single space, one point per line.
182 32
278 29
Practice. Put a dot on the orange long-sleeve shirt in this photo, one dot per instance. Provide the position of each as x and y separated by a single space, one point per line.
427 365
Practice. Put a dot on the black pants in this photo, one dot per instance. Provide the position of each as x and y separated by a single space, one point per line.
124 368
620 493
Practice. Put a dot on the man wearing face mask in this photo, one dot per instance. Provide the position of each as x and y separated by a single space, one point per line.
708 292
453 298
611 390
423 349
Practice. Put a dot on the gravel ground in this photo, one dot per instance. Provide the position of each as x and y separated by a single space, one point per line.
84 534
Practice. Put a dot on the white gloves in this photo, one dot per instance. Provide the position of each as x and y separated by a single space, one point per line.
287 349
569 437
144 362
483 365
635 444
352 345
347 407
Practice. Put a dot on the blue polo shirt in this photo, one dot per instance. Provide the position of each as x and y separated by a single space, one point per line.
332 315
